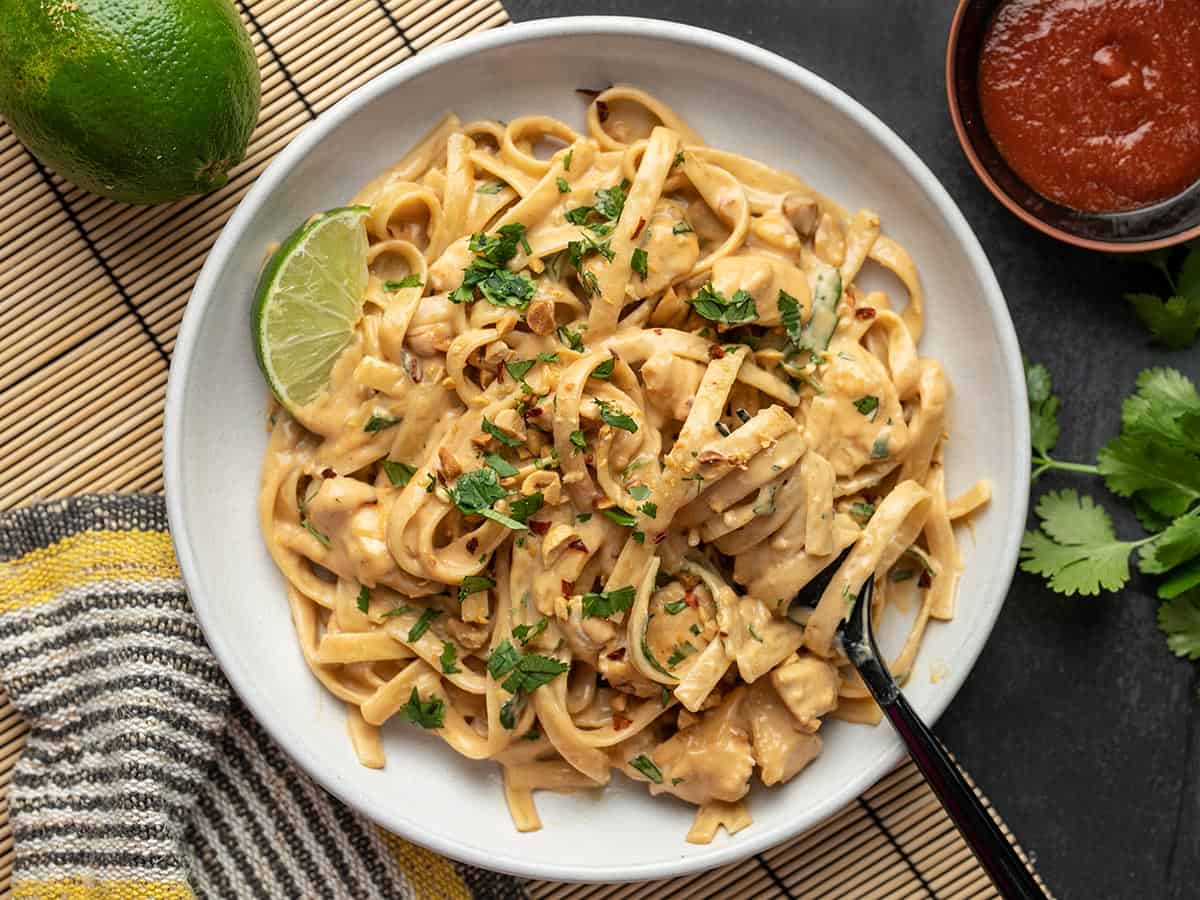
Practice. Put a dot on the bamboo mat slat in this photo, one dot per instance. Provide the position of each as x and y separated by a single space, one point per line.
91 294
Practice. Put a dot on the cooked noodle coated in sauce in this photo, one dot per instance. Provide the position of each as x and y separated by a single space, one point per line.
604 414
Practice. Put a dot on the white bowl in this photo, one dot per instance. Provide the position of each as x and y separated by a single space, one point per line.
738 97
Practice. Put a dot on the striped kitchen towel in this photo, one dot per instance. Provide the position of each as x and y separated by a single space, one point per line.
144 776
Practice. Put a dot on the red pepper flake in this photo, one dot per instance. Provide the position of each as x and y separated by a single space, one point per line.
716 351
568 588
602 110
691 600
865 313
472 544
660 537
619 653
924 581
640 225
620 722
328 473
578 544
539 526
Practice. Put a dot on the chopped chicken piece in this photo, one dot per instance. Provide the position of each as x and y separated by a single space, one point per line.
671 383
781 747
711 760
808 686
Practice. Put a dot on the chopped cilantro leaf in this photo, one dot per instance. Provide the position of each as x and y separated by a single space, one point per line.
474 584
498 464
474 494
868 406
578 440
613 416
602 605
646 766
408 281
500 434
640 262
449 659
563 187
682 651
675 607
490 188
604 371
526 633
572 339
364 598
518 369
503 659
429 713
713 306
322 539
681 228
398 473
378 423
525 506
422 624
621 517
531 672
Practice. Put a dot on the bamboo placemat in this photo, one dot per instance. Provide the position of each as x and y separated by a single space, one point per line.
91 294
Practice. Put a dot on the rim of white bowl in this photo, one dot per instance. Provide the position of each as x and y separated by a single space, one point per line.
574 26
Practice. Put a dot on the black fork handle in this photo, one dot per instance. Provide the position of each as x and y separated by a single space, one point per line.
997 856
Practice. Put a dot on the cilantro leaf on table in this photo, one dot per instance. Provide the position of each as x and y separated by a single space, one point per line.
1043 408
1076 549
1164 405
1177 544
1175 320
1166 477
1179 620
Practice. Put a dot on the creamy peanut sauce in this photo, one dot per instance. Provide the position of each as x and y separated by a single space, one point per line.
665 480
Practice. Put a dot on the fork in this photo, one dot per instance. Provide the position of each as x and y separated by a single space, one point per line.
997 856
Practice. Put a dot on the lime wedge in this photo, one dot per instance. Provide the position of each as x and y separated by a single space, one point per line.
308 301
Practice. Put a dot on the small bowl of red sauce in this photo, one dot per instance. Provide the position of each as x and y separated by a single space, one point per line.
1083 116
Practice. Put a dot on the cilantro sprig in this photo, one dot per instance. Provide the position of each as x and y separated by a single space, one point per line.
1173 320
1155 463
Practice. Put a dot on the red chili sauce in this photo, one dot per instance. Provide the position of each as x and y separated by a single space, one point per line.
1095 104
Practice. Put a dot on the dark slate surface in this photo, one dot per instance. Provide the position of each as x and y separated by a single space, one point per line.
1076 720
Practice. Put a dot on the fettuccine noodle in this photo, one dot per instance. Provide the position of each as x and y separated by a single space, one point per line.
609 407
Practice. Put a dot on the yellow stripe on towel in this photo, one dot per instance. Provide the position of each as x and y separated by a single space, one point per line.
94 889
432 877
84 559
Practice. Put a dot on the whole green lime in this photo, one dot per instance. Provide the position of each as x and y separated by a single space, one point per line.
143 101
